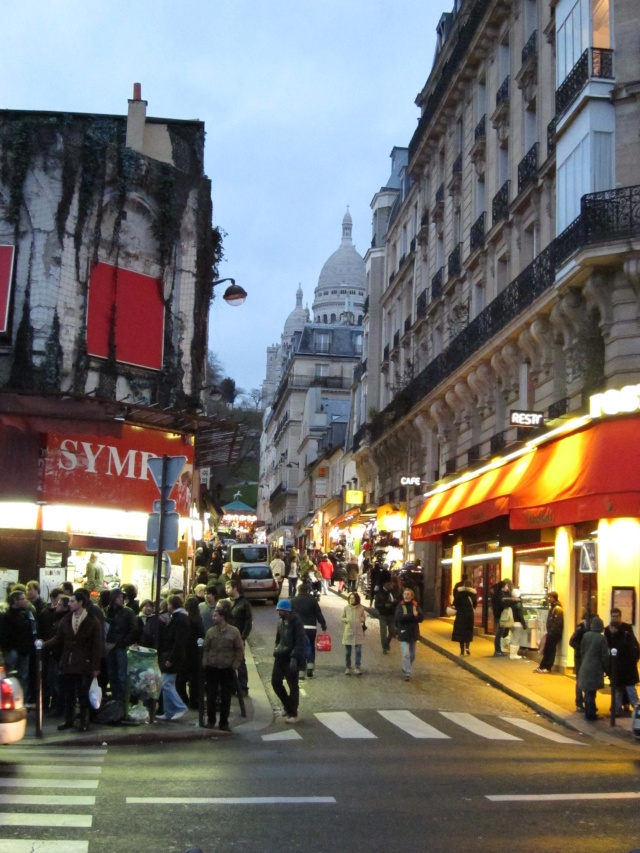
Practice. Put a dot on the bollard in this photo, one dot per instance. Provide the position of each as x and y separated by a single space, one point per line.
200 684
38 646
238 692
613 678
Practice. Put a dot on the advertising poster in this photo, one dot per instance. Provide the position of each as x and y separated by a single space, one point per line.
50 578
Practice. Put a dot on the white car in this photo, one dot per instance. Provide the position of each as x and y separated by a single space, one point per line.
13 714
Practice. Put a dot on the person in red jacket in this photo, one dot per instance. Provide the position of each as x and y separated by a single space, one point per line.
325 567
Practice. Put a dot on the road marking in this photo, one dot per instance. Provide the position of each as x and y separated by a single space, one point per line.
228 801
302 691
45 750
35 845
45 800
532 798
61 770
413 725
286 735
343 725
478 727
74 821
542 732
13 782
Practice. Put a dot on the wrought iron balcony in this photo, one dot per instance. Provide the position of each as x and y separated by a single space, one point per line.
611 215
500 204
551 136
407 324
503 92
473 453
528 168
531 47
436 284
476 237
421 305
594 62
498 442
440 194
557 409
481 128
454 262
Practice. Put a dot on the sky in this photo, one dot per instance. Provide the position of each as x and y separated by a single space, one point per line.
302 103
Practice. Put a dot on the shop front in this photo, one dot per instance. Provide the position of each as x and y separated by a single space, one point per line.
91 502
560 513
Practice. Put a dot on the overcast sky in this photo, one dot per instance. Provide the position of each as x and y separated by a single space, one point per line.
303 102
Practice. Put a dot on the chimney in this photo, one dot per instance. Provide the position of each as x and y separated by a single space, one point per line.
136 118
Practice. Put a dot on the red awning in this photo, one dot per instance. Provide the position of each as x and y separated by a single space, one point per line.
592 474
480 499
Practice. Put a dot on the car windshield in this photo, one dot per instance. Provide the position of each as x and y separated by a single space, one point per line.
249 554
255 573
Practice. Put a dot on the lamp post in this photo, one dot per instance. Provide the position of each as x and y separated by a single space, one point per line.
234 295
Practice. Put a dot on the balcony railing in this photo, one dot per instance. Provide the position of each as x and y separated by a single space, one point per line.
407 324
481 128
436 284
551 136
454 262
500 204
528 168
531 47
476 237
557 409
503 92
594 62
421 305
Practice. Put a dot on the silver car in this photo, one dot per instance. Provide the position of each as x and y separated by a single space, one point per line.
258 582
13 714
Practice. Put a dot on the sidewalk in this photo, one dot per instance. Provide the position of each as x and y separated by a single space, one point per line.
551 695
258 709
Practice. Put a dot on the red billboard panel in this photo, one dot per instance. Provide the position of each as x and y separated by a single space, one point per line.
111 472
6 275
133 304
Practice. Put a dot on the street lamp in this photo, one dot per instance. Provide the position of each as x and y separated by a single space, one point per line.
234 294
214 392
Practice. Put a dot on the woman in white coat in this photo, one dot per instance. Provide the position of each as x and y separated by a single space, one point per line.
353 617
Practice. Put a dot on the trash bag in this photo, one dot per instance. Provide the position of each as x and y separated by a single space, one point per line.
138 713
111 713
145 678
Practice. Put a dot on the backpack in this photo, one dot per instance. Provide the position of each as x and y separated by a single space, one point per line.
111 713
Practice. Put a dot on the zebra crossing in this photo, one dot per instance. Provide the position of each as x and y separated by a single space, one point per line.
36 778
345 726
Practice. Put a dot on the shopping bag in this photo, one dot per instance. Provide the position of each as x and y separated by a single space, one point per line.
95 694
451 611
323 643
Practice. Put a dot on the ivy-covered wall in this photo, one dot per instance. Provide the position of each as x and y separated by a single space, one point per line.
72 194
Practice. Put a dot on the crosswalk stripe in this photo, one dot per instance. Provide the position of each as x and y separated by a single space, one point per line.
542 732
286 735
71 821
413 725
60 770
14 782
41 751
228 801
45 800
478 727
342 724
35 845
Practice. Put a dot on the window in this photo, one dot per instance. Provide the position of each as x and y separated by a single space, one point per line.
333 318
322 370
322 341
358 344
572 39
601 25
502 273
124 297
573 183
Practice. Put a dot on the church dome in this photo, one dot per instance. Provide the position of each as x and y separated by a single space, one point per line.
297 318
343 277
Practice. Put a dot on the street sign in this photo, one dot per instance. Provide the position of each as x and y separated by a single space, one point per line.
170 532
175 464
169 506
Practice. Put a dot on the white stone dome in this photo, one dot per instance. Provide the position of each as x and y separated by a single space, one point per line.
343 278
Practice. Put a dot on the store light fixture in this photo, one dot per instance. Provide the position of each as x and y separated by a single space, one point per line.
234 295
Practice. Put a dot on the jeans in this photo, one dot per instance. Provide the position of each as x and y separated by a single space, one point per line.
387 631
627 693
311 646
325 586
408 655
282 672
347 650
293 583
222 680
171 701
497 640
590 710
19 663
117 669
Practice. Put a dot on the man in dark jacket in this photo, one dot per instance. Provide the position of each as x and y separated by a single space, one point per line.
288 657
620 636
575 641
17 636
122 632
172 658
78 640
386 603
308 609
555 627
499 591
408 617
241 618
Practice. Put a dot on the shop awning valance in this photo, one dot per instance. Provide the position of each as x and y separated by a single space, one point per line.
347 518
477 500
592 474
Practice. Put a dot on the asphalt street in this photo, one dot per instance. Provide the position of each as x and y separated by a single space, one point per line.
442 763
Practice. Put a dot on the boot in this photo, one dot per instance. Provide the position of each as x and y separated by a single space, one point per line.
513 653
68 724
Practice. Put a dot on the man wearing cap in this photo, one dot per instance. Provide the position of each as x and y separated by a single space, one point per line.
288 657
121 633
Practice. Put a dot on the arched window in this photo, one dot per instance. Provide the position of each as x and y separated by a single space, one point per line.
333 318
324 318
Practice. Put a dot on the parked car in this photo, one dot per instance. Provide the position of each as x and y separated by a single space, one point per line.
258 583
13 714
248 555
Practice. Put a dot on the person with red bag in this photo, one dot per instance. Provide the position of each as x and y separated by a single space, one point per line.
308 609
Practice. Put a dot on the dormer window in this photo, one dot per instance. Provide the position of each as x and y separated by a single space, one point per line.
322 342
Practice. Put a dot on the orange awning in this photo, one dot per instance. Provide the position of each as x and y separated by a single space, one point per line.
473 502
589 475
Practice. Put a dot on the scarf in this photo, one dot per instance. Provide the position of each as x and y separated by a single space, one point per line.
77 619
